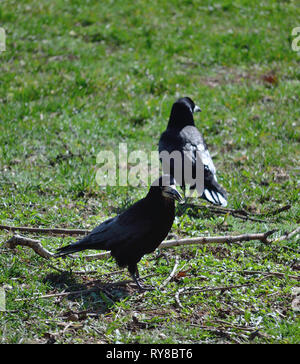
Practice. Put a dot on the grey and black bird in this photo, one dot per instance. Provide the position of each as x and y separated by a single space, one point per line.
137 231
182 135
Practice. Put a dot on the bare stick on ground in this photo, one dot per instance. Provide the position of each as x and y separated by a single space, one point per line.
209 288
289 235
43 252
31 243
172 274
54 231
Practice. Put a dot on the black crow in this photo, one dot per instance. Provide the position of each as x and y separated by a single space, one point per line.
183 136
137 231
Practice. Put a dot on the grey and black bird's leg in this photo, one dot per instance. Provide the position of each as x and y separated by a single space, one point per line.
159 254
134 272
192 188
183 187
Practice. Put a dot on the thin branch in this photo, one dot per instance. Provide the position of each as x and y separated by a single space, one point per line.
61 294
55 231
263 237
275 274
229 239
172 274
287 236
64 294
100 256
207 289
237 327
239 213
278 211
39 249
31 243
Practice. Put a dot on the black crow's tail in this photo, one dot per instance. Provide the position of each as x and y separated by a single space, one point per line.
72 248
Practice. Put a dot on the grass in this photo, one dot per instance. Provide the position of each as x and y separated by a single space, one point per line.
81 77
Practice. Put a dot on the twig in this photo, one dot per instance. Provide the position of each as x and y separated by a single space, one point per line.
263 237
219 331
288 235
239 213
211 289
237 327
172 274
39 249
33 244
277 211
61 294
54 231
104 255
276 274
226 210
218 239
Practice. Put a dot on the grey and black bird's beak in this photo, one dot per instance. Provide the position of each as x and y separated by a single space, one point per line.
196 109
171 192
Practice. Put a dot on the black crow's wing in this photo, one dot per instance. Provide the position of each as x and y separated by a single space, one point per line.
132 225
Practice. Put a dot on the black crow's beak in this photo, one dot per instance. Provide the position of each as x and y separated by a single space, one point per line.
171 192
197 109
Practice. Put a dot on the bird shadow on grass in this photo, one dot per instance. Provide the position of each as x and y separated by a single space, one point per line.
91 296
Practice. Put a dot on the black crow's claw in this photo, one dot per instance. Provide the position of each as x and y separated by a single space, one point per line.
146 288
141 287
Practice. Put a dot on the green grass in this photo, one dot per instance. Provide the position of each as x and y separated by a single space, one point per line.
80 77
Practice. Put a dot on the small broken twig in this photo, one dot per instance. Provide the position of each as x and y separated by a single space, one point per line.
206 289
172 274
278 211
55 231
33 244
289 235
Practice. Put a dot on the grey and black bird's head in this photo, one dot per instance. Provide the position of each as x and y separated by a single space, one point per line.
182 112
165 186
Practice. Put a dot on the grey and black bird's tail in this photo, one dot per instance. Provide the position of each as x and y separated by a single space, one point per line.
213 192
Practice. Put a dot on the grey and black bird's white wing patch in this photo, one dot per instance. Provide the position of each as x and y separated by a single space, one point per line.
213 192
196 144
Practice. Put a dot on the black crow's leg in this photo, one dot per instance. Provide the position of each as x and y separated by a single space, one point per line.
133 270
137 274
134 277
